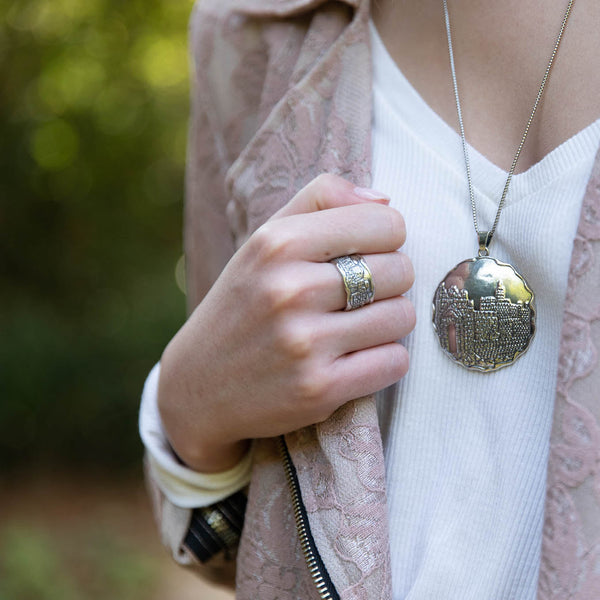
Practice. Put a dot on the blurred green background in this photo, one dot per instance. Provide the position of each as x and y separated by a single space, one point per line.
93 119
94 107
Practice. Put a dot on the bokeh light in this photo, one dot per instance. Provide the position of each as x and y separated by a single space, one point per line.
54 145
94 109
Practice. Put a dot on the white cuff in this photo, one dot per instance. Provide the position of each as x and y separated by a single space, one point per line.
183 486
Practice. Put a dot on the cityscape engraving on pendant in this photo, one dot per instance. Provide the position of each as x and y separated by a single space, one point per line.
483 314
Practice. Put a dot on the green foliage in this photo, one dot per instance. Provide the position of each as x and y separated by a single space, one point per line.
93 122
35 565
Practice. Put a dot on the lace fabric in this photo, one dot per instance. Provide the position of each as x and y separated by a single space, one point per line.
342 477
570 567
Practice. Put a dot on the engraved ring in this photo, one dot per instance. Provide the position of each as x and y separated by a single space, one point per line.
358 281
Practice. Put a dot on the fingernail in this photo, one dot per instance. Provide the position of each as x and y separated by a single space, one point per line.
369 194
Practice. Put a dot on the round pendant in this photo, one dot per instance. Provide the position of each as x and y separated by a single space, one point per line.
483 314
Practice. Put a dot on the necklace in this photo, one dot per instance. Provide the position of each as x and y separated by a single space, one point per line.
483 309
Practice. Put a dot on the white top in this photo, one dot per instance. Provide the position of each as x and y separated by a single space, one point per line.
466 453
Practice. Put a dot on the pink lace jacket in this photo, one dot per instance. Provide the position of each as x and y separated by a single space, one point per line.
282 93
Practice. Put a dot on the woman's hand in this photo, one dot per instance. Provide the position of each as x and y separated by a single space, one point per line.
269 349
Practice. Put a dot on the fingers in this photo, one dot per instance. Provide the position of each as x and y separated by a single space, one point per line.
328 191
373 325
320 286
330 217
368 371
320 236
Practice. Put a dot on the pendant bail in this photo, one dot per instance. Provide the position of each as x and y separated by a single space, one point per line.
485 239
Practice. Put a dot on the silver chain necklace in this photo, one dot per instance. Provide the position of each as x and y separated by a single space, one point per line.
483 309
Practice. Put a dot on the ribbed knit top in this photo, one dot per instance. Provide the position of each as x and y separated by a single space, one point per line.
466 452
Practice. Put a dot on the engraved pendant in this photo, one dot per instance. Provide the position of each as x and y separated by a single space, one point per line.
483 314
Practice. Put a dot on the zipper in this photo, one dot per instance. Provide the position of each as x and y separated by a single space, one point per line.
314 562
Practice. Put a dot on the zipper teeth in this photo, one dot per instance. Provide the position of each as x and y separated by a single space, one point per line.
301 526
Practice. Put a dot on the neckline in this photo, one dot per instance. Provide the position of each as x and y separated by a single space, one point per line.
441 138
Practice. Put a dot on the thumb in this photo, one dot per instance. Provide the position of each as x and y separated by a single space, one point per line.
329 191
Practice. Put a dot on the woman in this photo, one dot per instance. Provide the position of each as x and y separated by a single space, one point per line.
286 91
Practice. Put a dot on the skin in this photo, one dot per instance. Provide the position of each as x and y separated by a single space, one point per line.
284 354
501 51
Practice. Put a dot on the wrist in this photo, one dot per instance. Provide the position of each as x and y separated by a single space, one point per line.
189 423
214 459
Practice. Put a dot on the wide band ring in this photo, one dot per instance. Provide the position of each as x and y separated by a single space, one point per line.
358 281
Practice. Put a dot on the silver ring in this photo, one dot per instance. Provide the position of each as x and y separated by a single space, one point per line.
358 281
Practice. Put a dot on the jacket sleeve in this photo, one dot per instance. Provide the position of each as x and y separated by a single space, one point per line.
216 502
209 244
242 67
207 235
192 541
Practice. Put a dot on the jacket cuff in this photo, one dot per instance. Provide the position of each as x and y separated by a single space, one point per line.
183 486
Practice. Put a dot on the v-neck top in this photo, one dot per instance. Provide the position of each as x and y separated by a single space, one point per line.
466 452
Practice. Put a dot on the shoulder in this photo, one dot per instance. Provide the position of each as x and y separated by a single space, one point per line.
266 36
230 28
243 62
